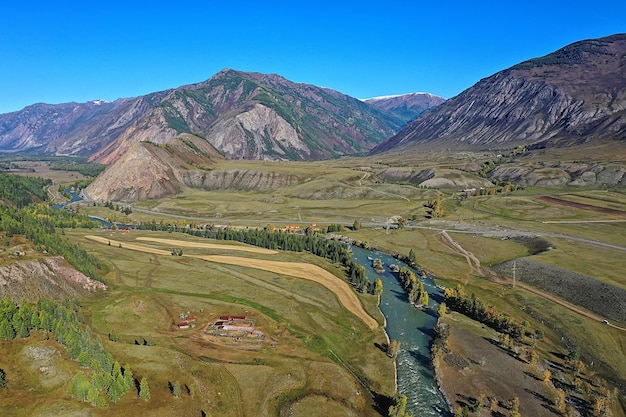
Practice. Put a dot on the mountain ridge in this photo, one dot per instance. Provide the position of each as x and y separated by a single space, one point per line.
574 95
244 114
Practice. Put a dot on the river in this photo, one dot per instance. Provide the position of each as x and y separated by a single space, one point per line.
413 328
104 223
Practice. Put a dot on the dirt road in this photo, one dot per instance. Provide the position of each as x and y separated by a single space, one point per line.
474 265
201 245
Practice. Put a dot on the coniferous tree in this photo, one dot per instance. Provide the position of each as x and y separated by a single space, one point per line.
6 330
176 389
144 389
129 381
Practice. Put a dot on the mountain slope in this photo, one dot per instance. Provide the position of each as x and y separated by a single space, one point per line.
71 128
244 115
257 116
572 96
406 106
149 171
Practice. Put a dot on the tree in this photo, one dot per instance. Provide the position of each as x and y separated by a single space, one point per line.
399 406
129 381
393 349
436 208
441 310
573 356
113 336
515 406
356 225
480 403
79 387
176 389
378 286
6 330
559 400
144 389
3 378
546 376
412 257
493 403
116 389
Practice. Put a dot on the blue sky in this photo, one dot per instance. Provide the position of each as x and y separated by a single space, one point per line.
63 51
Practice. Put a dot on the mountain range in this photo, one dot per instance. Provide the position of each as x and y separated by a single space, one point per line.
244 115
570 99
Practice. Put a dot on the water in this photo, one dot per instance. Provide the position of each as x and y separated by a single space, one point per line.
413 328
104 223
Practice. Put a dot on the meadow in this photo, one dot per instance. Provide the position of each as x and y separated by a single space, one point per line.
315 357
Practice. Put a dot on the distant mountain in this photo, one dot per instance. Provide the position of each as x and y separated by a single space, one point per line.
406 106
71 128
244 115
570 97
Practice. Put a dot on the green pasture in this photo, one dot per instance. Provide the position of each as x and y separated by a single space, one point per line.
310 335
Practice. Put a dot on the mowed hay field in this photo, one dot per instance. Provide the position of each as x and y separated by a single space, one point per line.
316 356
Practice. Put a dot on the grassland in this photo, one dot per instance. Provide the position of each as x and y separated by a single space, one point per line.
320 354
316 355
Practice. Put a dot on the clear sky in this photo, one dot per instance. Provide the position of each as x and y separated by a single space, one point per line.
61 51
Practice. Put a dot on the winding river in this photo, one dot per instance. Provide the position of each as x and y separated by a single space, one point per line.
413 328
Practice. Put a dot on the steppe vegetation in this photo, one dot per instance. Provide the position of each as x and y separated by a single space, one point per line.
317 354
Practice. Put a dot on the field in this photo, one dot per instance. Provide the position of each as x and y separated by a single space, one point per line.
316 356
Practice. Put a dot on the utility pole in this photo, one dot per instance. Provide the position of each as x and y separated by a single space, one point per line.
513 274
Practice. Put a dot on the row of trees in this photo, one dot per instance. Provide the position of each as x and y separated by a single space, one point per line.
124 209
436 208
456 299
413 287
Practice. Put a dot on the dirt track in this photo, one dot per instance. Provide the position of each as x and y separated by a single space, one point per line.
202 245
340 288
475 268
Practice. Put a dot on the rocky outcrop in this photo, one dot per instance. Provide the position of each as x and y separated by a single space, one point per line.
574 174
259 133
143 173
576 95
47 278
238 179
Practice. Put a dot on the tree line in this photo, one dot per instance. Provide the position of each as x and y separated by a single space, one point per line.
469 305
